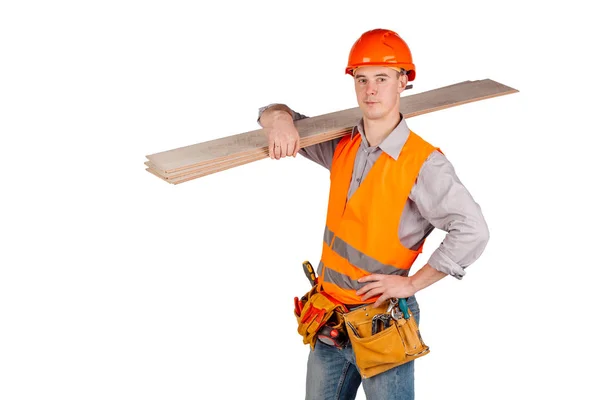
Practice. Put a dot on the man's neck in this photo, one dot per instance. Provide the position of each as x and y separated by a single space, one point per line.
377 130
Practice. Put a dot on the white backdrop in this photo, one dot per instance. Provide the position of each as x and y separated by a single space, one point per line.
116 285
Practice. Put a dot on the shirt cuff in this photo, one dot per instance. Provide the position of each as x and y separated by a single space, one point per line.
443 263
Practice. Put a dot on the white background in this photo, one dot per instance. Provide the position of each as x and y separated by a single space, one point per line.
117 285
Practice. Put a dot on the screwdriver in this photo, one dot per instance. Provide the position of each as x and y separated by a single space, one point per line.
309 272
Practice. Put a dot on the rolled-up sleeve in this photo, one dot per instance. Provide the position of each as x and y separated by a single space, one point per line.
446 203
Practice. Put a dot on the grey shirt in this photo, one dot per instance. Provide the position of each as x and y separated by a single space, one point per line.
438 199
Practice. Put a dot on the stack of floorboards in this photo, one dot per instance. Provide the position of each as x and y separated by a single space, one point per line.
191 162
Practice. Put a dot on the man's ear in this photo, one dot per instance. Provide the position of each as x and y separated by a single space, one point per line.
402 82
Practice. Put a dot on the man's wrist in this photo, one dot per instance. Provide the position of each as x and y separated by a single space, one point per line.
425 277
279 115
413 285
273 114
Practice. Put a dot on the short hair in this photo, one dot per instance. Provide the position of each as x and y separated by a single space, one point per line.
400 73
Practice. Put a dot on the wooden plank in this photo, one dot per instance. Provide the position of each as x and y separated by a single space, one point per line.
252 156
312 130
304 142
216 167
187 175
208 171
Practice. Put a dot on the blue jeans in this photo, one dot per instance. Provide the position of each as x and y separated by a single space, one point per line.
332 374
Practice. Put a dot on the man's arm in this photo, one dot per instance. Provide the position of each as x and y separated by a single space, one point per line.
282 136
446 203
266 113
278 122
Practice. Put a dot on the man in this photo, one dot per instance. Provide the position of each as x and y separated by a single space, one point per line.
389 190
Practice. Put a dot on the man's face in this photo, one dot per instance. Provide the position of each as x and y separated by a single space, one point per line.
378 91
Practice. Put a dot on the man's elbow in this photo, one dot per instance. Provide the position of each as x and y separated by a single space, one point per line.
482 237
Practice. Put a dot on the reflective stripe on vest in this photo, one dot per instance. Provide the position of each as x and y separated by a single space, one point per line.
361 234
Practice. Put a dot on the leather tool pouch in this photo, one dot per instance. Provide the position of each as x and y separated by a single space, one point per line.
394 345
314 310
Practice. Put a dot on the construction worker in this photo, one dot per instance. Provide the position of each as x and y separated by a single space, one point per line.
389 218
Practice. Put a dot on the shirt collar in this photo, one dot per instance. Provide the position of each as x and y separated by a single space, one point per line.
393 143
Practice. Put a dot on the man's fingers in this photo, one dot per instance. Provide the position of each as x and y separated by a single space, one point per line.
271 148
380 300
281 150
371 293
277 151
370 278
367 287
283 143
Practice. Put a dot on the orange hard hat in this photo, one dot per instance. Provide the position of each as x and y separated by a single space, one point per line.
381 47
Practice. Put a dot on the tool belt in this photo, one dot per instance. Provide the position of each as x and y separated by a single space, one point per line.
382 338
315 310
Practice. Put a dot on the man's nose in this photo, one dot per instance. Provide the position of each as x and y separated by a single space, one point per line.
371 88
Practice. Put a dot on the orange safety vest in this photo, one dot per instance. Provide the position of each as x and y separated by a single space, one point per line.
361 234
